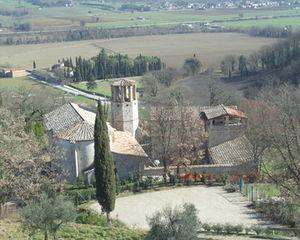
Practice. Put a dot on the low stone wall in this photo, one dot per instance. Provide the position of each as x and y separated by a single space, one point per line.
201 169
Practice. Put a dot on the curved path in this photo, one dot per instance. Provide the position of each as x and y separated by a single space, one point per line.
72 90
214 205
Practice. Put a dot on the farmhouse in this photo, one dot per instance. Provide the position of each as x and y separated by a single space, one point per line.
71 129
222 123
227 149
12 72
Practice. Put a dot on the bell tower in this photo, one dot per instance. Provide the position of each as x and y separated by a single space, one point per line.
124 106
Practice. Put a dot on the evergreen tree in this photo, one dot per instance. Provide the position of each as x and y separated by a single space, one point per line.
104 165
91 83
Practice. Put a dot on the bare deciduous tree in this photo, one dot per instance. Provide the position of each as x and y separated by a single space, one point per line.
177 134
25 171
275 132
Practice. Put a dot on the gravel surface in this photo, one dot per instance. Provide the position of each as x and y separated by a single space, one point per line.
213 203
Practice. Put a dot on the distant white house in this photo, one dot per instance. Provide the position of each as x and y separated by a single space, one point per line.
12 72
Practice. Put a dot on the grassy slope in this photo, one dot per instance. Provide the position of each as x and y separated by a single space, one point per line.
10 228
26 84
103 86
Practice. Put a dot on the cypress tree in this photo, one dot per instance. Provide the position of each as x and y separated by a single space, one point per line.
104 165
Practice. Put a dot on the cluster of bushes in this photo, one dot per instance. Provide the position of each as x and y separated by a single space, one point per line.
137 183
81 195
22 26
271 31
134 7
235 229
98 5
49 3
87 216
277 210
231 187
13 12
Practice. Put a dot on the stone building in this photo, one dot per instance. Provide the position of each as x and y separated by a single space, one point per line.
222 123
71 129
124 106
12 72
227 150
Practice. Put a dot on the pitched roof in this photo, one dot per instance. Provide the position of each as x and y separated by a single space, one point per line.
211 112
73 123
233 152
62 117
125 143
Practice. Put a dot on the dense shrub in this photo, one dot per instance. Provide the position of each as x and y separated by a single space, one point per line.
231 188
229 229
79 196
238 229
258 230
179 223
87 216
217 228
206 227
277 210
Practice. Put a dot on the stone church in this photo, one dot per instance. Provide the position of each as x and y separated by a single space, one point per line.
71 129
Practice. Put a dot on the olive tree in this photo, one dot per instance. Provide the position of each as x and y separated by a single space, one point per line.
179 223
47 215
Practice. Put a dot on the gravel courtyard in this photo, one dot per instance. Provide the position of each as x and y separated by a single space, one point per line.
213 203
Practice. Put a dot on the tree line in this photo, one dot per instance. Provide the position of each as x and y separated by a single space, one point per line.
88 34
100 33
104 66
14 12
281 61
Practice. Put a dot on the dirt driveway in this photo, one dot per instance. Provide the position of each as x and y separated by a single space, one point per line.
213 203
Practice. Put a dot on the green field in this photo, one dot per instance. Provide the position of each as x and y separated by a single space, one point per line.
279 22
82 15
25 84
103 86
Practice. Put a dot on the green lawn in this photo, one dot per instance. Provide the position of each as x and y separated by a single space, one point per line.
33 87
269 190
103 86
24 83
279 22
14 3
10 228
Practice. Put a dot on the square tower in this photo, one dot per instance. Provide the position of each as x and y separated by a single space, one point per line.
124 106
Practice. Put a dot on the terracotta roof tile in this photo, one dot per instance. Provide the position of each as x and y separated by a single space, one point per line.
73 123
233 152
211 112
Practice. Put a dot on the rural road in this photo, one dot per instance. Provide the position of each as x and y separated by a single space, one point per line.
214 205
73 91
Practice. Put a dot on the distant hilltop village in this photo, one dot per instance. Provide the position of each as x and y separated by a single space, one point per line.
71 129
